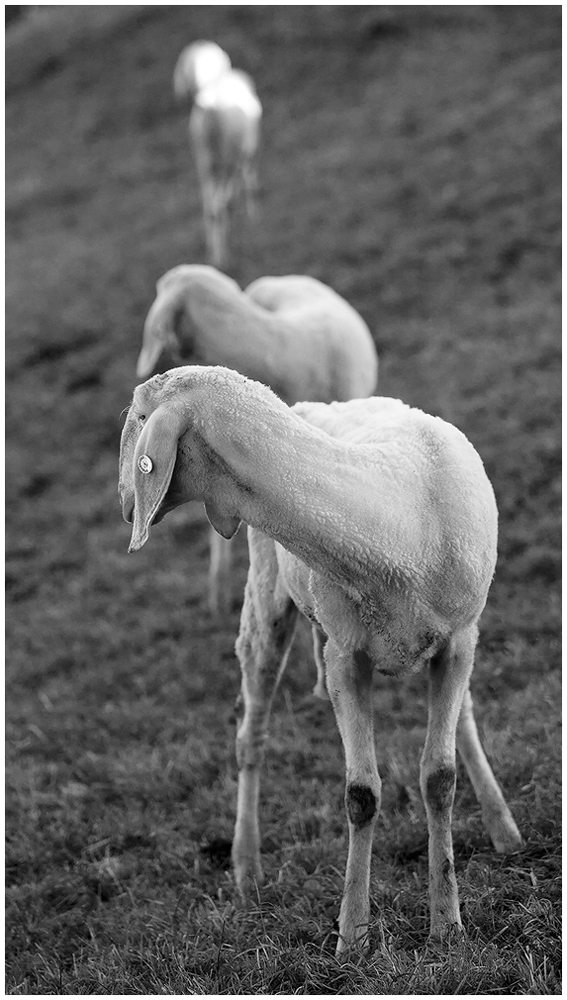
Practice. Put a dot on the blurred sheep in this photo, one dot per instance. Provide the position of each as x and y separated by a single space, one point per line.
224 131
291 332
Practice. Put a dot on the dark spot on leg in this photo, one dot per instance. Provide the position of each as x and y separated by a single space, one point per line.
363 673
360 804
440 788
448 871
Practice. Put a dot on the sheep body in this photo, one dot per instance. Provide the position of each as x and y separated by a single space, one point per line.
390 505
377 522
291 332
233 89
428 571
224 132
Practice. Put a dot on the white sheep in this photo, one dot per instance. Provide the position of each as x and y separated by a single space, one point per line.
377 522
292 333
224 130
198 65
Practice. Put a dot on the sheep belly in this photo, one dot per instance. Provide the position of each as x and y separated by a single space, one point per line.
296 575
398 637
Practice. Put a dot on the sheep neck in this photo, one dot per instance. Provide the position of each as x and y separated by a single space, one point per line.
216 322
289 479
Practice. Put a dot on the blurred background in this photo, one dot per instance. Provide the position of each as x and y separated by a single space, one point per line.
410 158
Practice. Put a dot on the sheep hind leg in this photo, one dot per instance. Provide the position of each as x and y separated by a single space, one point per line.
219 228
212 216
449 674
220 589
250 184
209 221
496 815
219 232
267 627
349 683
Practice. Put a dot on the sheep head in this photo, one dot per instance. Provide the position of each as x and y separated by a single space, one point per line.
164 461
170 324
199 64
161 325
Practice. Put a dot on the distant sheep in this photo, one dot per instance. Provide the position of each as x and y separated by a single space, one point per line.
224 129
292 333
378 523
199 65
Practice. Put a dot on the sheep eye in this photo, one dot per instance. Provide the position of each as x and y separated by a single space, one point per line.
141 417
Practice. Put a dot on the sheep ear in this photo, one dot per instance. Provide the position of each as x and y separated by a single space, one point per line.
225 524
156 453
149 356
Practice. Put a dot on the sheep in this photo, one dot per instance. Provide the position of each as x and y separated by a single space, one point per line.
293 333
224 131
378 523
198 65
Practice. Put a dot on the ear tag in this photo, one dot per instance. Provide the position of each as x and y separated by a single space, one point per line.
145 464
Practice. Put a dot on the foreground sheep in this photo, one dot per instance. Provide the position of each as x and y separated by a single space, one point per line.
378 523
292 333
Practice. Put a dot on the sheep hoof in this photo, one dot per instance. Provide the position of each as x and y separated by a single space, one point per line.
443 936
248 885
357 946
503 831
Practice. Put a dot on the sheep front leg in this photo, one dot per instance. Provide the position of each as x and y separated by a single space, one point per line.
267 626
349 683
319 639
449 675
220 589
496 815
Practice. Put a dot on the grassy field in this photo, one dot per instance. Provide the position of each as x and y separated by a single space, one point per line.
411 160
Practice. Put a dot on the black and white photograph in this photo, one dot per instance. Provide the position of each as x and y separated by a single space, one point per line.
282 497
